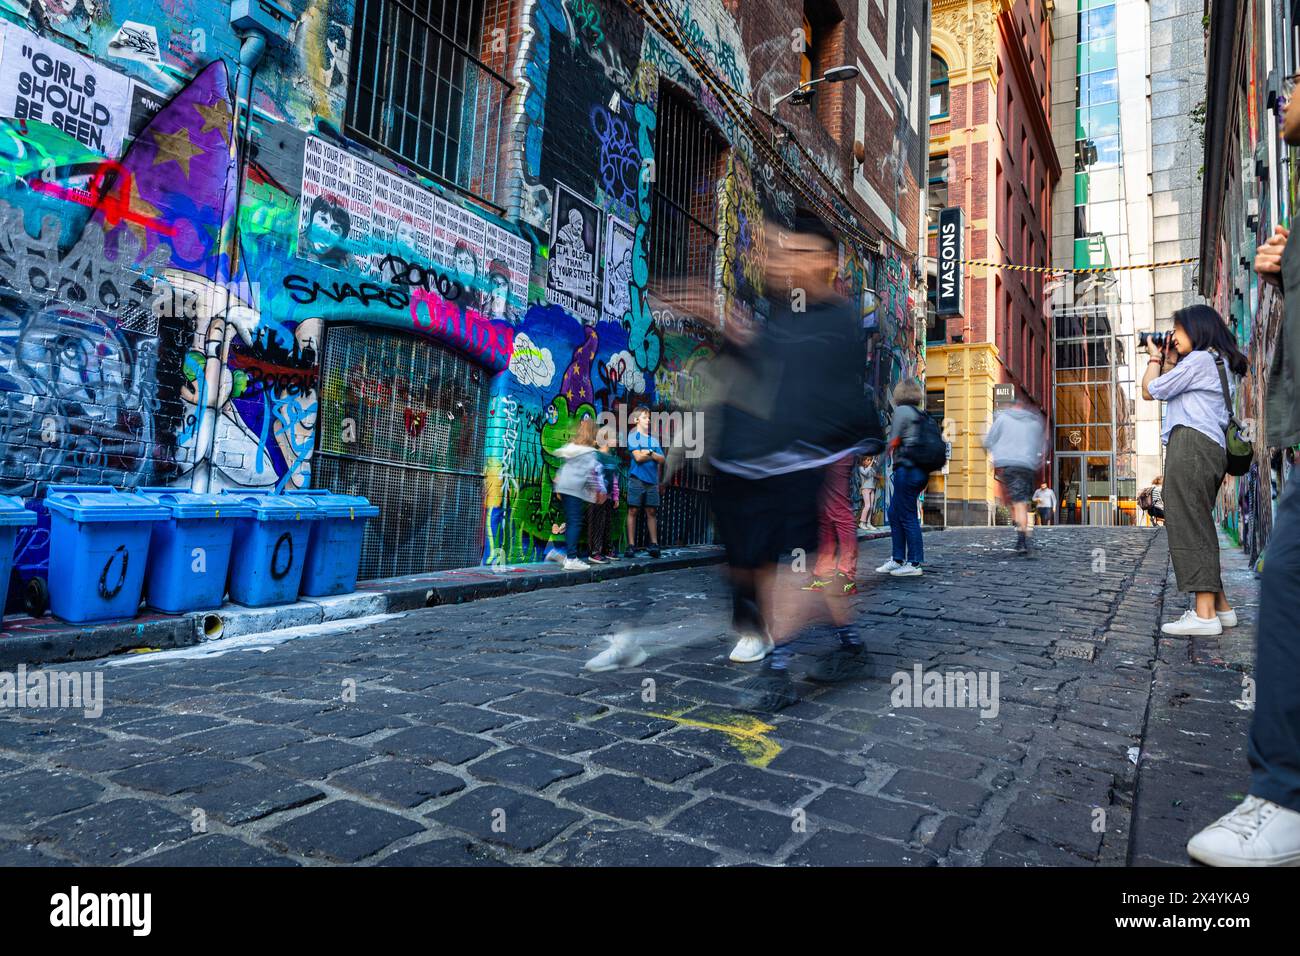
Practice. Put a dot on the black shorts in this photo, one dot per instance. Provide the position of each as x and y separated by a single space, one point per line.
1019 483
760 520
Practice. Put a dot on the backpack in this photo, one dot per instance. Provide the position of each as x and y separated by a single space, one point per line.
927 451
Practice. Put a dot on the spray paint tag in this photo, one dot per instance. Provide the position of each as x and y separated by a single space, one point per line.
352 514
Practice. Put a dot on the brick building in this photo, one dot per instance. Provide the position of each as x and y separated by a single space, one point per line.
401 248
991 154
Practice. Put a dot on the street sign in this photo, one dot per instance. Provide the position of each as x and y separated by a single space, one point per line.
1003 395
952 245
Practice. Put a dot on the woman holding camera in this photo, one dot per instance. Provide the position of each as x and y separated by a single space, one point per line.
1183 372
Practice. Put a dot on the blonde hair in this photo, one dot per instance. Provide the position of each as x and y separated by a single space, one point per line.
586 433
908 392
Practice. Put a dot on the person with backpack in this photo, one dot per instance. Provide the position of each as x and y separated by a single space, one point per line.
1017 443
918 449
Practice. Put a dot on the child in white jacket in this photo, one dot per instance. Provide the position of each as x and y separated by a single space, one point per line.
578 482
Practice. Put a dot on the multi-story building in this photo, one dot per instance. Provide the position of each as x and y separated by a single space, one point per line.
401 247
1126 126
992 156
1250 186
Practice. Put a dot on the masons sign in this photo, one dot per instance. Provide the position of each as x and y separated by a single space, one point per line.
952 232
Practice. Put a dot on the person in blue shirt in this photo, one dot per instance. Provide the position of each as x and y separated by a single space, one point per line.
643 481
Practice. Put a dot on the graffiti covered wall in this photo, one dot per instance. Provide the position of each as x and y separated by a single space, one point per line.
168 279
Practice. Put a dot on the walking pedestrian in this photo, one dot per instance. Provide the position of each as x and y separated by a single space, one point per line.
837 540
1264 829
793 401
578 483
1017 443
867 473
643 482
1151 500
1183 372
1045 502
909 481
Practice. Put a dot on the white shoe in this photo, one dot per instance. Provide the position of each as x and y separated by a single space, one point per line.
889 567
751 648
1257 833
1189 625
576 564
623 651
906 570
556 556
1227 618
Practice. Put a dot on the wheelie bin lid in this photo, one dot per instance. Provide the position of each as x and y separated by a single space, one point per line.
268 506
13 512
97 503
335 505
189 504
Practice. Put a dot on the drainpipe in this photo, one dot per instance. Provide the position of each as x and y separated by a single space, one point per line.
217 347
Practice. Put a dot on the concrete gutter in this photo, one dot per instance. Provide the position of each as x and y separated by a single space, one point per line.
27 640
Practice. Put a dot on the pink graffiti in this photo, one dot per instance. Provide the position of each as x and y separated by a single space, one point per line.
466 330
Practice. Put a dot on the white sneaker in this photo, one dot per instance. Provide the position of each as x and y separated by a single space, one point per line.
1257 833
751 648
556 556
1189 625
623 651
906 570
889 567
575 564
1227 618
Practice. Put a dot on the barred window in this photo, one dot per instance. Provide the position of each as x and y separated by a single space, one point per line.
426 88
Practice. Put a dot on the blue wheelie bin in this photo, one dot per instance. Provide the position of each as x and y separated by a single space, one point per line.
99 545
189 553
13 515
334 550
270 547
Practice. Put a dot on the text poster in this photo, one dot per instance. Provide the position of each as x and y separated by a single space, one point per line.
618 269
571 280
43 81
509 260
338 194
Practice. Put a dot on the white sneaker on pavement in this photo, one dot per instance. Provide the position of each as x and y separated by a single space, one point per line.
1257 833
623 651
889 567
751 648
575 564
906 570
1227 618
556 556
1189 625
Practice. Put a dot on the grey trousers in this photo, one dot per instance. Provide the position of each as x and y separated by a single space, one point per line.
1194 468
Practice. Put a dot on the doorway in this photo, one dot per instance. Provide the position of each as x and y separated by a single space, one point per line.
1085 488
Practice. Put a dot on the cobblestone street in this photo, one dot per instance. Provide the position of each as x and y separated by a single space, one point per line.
471 735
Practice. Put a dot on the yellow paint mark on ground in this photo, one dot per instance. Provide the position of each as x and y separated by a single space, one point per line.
745 732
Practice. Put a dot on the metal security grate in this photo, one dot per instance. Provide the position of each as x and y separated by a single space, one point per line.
689 160
419 91
684 513
403 423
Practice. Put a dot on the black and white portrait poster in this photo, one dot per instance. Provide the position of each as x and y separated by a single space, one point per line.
509 260
338 196
618 269
571 277
44 81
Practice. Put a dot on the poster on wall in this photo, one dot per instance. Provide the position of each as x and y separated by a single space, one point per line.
337 199
464 260
571 279
41 80
135 41
618 269
401 225
509 260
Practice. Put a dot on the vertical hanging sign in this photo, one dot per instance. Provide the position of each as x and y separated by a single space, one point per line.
952 240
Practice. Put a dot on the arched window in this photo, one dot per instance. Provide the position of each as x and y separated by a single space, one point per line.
938 87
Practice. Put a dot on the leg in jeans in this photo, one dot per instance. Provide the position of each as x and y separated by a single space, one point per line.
913 481
1274 746
573 511
897 536
835 531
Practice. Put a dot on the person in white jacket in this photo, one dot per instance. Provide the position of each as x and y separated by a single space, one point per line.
578 483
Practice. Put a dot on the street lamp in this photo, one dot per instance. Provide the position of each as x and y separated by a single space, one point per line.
803 93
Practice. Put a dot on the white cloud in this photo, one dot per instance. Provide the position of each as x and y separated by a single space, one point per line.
531 365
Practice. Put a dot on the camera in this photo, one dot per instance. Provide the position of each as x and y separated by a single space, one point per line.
1161 339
